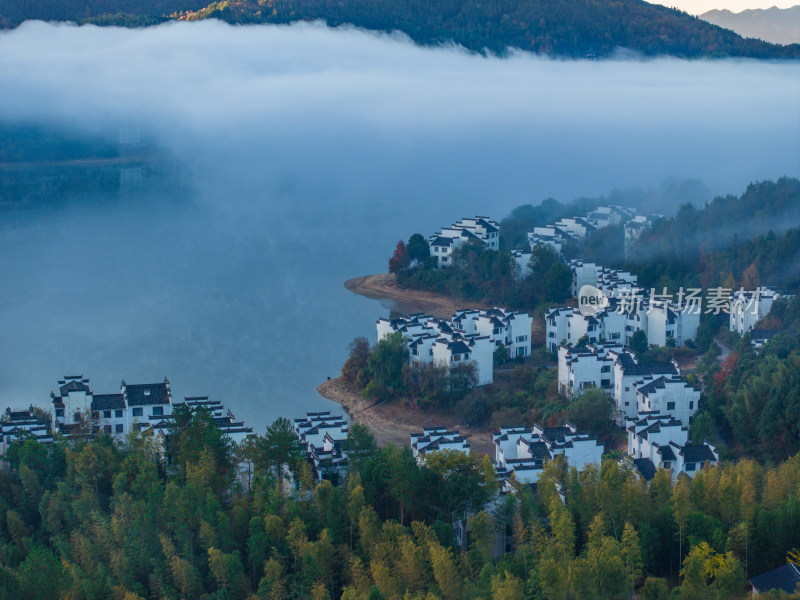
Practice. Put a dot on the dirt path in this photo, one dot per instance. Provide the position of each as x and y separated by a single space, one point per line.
383 286
393 423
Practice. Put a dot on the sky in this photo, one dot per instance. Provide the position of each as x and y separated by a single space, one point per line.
302 155
698 7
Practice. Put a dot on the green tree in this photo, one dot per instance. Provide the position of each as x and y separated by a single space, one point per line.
280 450
418 249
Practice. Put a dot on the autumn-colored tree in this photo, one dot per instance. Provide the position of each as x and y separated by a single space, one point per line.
400 259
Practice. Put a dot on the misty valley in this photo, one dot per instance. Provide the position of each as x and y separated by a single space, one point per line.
186 201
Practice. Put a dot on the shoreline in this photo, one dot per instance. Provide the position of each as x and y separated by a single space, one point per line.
393 423
383 287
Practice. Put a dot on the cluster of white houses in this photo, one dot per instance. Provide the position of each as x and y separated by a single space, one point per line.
634 387
521 452
436 439
323 436
653 402
630 308
470 335
577 228
77 411
478 230
659 441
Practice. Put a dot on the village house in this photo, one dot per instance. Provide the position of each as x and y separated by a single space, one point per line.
550 236
634 228
22 424
324 436
469 336
78 407
657 441
585 368
748 307
479 230
635 388
577 227
627 375
520 452
437 439
628 310
667 395
565 325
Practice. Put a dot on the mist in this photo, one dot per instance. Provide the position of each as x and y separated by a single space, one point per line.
286 159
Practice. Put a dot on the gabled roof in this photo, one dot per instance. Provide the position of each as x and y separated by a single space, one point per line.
646 467
147 393
697 454
783 578
666 453
660 383
629 367
75 385
442 241
108 401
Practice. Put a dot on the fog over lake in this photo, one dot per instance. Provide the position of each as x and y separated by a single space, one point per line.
285 160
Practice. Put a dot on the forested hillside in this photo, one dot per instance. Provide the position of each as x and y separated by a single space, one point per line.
571 28
114 12
732 241
94 520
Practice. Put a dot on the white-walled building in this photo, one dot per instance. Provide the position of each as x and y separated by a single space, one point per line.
627 374
480 230
522 452
436 439
136 405
624 315
324 436
471 335
522 263
224 419
668 395
583 273
585 368
613 214
635 388
549 236
567 325
23 424
634 229
577 227
658 441
748 307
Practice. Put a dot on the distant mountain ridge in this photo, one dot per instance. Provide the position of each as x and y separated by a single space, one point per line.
776 25
567 28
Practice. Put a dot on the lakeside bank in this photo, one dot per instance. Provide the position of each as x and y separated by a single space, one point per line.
384 288
393 423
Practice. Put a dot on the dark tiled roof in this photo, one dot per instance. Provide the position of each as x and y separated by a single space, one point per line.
458 348
442 241
666 453
108 401
555 434
659 383
74 386
539 451
631 368
147 393
783 578
697 454
645 467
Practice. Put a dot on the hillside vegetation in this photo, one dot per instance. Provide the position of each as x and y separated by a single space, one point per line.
570 28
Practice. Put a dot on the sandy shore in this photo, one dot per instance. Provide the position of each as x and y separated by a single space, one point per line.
383 286
393 423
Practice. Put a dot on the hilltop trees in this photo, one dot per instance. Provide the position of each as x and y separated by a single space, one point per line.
140 530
